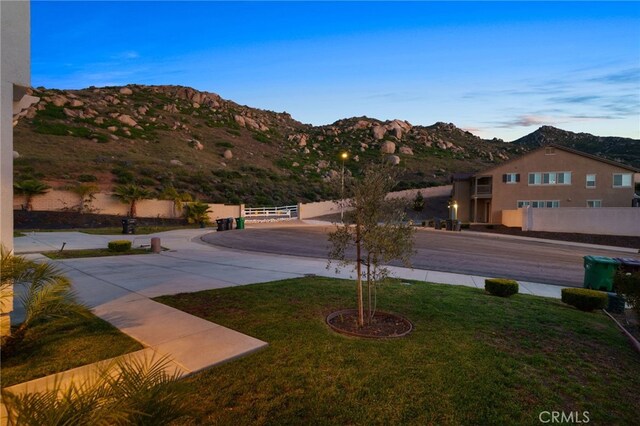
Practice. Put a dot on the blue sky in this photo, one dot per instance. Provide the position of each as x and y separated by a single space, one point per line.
497 69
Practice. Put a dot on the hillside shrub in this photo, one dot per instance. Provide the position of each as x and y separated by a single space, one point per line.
501 286
119 245
584 299
628 285
87 178
418 202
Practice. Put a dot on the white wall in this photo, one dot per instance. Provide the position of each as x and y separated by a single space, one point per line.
582 220
15 76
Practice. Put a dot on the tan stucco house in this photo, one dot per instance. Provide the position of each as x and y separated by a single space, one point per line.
551 176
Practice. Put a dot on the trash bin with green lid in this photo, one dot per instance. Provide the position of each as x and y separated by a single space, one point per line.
239 222
599 272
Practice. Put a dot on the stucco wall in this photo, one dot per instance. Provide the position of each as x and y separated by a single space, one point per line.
223 211
105 203
512 218
321 208
15 75
581 220
605 220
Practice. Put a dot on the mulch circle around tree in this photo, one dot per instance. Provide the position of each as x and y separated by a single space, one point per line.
383 324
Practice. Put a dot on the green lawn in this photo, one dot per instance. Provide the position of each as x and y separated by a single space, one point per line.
62 344
74 254
472 358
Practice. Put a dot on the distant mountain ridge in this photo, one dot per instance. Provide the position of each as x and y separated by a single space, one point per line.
623 150
164 137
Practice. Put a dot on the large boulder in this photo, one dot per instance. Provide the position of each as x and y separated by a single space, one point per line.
228 155
394 160
126 91
388 147
406 150
378 132
126 119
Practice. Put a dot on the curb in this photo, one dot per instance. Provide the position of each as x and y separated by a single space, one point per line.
634 341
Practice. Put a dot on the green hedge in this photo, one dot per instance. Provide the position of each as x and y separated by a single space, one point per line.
119 245
501 286
584 299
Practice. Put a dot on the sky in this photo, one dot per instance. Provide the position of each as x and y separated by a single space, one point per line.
498 69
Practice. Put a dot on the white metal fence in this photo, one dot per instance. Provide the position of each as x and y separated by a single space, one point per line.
271 213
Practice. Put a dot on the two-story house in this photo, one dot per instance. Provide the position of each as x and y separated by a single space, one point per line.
552 176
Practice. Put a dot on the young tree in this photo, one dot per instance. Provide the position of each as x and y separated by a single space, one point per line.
374 226
86 193
131 194
30 188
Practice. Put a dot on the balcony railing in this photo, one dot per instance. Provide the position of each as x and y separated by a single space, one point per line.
482 189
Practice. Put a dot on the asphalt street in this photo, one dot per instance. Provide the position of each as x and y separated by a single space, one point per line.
460 252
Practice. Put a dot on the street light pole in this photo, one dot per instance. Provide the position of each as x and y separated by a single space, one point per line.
344 157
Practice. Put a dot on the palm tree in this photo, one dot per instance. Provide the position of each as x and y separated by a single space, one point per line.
131 194
30 188
197 212
178 198
129 391
85 192
47 294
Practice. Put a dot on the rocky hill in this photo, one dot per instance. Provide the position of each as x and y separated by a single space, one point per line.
624 150
217 150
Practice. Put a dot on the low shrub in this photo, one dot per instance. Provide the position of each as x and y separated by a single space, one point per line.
584 299
501 286
119 245
628 285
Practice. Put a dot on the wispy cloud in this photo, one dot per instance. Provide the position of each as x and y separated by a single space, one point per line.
129 54
630 75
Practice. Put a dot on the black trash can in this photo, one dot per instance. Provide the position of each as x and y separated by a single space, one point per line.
628 264
437 224
228 224
615 303
457 225
449 225
221 224
129 226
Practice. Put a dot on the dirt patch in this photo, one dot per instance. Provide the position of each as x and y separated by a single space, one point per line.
605 240
383 324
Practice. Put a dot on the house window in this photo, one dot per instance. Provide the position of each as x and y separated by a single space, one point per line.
622 180
538 204
535 178
550 178
549 150
511 177
564 178
591 181
594 203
